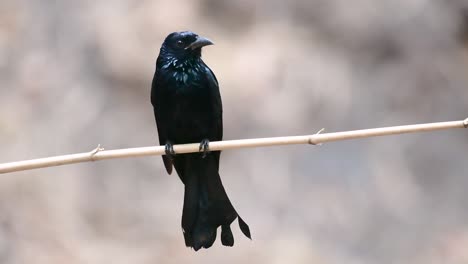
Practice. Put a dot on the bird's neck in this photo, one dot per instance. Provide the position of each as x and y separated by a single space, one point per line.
181 70
181 64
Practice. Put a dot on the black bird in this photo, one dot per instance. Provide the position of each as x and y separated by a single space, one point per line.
187 107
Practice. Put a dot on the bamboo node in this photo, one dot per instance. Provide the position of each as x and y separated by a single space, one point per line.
95 151
311 140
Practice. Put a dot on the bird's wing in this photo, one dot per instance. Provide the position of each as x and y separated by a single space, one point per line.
161 124
217 107
217 103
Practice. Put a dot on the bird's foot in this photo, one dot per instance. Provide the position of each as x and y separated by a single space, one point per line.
205 147
169 148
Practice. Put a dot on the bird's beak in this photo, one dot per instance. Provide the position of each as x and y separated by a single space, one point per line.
199 42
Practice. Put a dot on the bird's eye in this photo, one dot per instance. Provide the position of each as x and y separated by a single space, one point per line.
180 44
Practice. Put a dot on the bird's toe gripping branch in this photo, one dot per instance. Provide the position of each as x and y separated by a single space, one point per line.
169 149
205 147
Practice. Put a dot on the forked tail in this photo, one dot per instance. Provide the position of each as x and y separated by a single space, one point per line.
206 205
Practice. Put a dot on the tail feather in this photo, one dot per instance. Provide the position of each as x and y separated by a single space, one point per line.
206 204
227 239
244 227
190 209
203 236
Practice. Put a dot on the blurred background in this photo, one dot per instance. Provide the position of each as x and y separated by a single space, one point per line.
74 74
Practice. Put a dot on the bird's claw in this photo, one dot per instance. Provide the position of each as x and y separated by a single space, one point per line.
169 149
205 147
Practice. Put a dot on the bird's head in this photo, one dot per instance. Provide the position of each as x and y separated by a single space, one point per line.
184 45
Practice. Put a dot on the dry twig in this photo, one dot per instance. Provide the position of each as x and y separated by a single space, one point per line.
318 138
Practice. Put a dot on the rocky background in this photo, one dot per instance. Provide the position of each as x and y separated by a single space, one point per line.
74 74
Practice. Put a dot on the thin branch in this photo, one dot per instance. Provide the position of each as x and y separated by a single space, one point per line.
318 138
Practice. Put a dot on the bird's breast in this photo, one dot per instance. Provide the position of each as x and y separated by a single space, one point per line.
183 74
187 79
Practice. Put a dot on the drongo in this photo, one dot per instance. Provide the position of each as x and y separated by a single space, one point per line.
187 107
